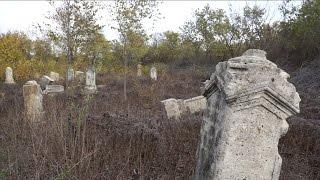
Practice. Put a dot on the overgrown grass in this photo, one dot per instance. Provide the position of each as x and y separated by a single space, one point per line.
104 137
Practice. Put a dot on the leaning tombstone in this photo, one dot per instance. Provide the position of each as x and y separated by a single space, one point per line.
90 81
44 81
9 76
248 102
32 95
153 73
80 76
139 70
54 76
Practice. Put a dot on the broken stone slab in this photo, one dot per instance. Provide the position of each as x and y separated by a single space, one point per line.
248 102
32 95
53 89
9 76
54 76
195 104
153 73
44 81
173 107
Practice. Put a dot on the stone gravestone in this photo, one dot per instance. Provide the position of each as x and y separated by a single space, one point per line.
153 73
90 81
54 76
139 70
9 76
53 89
70 74
195 104
173 107
248 102
32 95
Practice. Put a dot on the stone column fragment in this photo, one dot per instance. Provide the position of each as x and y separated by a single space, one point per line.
32 95
9 76
248 102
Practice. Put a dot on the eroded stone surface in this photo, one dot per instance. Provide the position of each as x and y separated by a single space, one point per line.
195 104
9 76
153 73
54 76
32 95
249 99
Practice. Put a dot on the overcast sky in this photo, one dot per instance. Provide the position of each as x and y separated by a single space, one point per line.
21 15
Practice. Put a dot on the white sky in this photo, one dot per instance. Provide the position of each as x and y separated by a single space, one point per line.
21 15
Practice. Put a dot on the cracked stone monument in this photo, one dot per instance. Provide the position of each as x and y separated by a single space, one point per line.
173 107
32 95
153 73
9 76
248 102
54 76
90 81
139 70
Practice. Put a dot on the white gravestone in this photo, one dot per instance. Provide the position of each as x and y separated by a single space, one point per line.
9 76
248 102
153 73
32 95
91 80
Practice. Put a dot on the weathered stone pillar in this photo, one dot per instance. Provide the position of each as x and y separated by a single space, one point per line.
139 70
249 100
91 81
32 95
153 73
9 76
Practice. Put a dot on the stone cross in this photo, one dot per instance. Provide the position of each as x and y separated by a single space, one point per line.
32 95
70 74
9 76
248 102
139 70
91 80
153 73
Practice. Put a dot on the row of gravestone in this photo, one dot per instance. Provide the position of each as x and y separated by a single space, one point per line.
248 100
